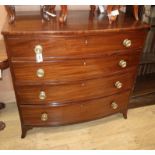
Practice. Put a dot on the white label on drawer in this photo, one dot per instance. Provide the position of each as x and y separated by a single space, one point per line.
114 13
39 57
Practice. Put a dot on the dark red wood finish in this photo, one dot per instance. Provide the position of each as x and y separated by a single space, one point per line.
74 112
81 66
75 69
74 92
71 45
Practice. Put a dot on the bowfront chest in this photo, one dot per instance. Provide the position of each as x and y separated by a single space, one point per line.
82 70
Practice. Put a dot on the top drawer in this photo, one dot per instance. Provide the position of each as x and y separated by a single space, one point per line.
55 46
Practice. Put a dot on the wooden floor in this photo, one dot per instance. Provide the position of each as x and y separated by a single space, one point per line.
113 132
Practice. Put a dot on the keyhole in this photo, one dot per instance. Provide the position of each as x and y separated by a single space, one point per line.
84 63
83 84
86 42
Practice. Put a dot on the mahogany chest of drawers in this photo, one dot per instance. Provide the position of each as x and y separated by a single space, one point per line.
79 71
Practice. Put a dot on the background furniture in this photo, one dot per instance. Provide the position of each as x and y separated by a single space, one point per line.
48 12
144 92
3 65
76 72
134 11
45 12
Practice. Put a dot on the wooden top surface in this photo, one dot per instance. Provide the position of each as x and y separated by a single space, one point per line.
77 22
3 55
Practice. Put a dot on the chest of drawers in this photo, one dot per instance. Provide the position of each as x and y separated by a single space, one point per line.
88 68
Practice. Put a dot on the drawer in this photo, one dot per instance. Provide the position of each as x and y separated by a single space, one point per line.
56 46
75 112
66 93
72 70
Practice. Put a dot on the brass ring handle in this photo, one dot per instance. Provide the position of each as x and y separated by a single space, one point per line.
127 43
42 95
114 105
122 63
118 84
38 49
40 73
44 117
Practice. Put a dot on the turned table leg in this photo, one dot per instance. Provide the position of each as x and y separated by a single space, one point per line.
2 124
92 8
11 13
135 11
63 14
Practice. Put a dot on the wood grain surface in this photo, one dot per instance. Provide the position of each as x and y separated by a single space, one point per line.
80 63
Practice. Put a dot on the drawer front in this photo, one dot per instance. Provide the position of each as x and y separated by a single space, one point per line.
66 93
75 112
72 70
54 46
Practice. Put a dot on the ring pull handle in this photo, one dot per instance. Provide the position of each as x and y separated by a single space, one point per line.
114 105
40 73
122 63
127 43
118 84
42 95
44 117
